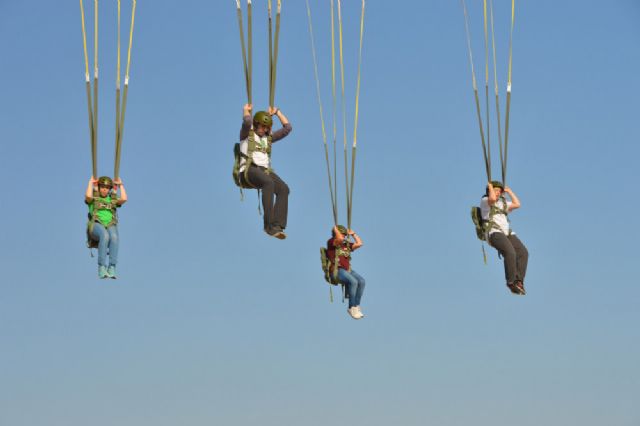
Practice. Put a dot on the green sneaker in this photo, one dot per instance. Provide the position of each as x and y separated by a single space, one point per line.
102 272
111 272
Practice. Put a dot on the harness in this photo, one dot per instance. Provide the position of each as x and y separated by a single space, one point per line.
99 204
330 266
241 179
494 210
483 227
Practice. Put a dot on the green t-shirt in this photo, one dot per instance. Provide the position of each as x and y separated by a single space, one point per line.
105 216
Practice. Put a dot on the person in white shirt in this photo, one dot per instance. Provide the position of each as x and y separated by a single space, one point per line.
255 147
495 207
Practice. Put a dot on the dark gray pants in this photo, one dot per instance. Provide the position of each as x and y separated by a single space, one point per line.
275 214
514 253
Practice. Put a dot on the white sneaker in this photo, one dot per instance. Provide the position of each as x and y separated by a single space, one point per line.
359 311
355 314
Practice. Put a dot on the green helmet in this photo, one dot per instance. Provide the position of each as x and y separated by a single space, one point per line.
105 181
263 117
497 184
342 229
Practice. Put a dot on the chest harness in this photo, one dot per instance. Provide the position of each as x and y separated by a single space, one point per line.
254 144
100 204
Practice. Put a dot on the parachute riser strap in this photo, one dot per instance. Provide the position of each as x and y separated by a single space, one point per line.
246 56
495 86
486 154
123 107
322 121
92 130
274 39
95 75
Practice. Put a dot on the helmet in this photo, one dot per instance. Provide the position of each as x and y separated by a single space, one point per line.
105 181
263 118
342 229
497 184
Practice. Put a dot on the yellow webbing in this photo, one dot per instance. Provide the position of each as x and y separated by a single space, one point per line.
485 152
322 121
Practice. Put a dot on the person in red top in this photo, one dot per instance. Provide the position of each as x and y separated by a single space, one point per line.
339 247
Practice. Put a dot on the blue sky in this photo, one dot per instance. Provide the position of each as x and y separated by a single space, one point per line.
211 322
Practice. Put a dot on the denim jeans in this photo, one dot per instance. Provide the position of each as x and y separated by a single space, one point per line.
107 239
355 285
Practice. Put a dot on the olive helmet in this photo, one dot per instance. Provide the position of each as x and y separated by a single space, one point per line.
105 181
497 184
263 118
342 229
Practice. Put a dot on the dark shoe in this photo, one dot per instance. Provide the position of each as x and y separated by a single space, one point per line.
277 233
515 289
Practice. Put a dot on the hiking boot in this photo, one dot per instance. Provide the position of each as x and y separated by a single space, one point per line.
102 272
111 272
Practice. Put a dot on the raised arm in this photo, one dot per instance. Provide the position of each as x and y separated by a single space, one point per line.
88 195
246 121
286 126
123 193
515 201
358 242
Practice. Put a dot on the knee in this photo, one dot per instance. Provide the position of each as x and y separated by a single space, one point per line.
268 185
284 189
509 253
113 238
103 237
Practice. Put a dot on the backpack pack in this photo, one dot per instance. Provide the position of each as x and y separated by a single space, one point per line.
479 223
329 268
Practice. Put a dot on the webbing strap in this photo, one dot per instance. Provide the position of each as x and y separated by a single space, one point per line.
273 52
246 59
349 175
95 75
118 102
497 96
123 109
92 132
486 81
508 107
344 108
322 121
485 152
355 125
92 102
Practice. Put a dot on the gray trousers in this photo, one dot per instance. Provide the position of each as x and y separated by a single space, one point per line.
514 253
275 213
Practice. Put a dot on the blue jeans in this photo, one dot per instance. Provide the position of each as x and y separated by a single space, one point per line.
107 239
355 285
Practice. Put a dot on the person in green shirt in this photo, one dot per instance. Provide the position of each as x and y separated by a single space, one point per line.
103 200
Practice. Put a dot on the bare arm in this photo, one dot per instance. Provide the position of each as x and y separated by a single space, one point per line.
286 126
123 193
246 121
515 202
358 242
88 195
